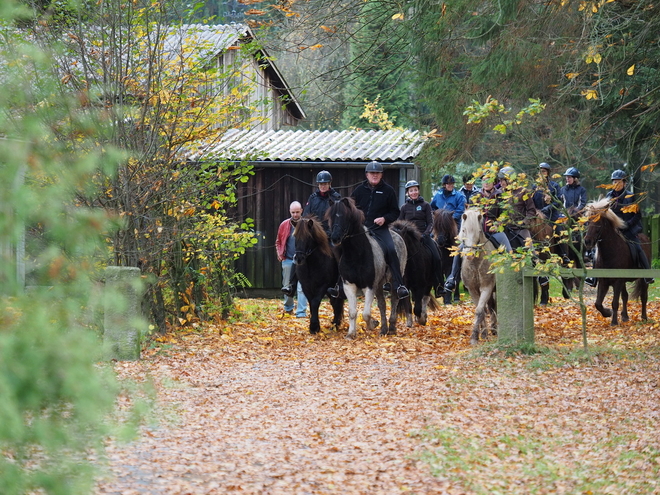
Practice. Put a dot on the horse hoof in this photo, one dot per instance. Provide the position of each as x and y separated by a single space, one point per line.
350 336
474 341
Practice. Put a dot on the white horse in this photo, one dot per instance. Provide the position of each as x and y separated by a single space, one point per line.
480 284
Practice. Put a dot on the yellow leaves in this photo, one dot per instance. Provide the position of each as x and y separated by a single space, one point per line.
398 17
631 70
633 208
592 55
255 12
650 167
572 75
327 29
589 94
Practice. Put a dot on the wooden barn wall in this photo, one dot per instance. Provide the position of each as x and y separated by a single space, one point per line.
266 198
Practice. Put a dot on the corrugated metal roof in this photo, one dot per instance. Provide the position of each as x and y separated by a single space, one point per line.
209 40
315 146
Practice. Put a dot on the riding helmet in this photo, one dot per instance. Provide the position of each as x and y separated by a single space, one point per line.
545 166
374 167
448 179
323 176
619 175
572 172
505 172
411 183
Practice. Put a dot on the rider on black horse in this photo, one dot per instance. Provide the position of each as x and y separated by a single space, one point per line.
621 203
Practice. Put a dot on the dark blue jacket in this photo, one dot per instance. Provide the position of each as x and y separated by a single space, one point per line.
574 197
318 204
550 210
633 219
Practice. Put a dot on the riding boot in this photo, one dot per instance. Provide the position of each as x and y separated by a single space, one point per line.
290 288
591 281
450 284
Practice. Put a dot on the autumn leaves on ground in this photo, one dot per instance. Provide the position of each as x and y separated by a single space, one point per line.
256 405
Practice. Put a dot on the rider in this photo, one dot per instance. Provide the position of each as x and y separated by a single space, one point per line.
450 199
317 204
378 202
419 212
488 199
573 197
547 200
468 188
621 200
521 207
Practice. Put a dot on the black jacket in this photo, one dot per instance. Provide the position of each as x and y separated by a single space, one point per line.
420 213
318 204
379 201
574 197
618 201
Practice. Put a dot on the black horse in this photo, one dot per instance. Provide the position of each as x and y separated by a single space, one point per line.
316 269
613 252
418 276
362 265
445 232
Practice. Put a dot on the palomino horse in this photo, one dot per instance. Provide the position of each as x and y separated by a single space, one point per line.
474 272
362 265
445 232
316 269
603 230
418 276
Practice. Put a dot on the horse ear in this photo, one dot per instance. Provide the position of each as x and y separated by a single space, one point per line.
464 216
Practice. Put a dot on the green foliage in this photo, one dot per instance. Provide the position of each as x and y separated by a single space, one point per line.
56 397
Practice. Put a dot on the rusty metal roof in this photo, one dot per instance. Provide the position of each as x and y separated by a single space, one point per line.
312 146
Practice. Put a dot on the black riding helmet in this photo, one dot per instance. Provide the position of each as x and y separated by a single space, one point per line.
448 179
374 167
545 166
572 172
619 175
323 176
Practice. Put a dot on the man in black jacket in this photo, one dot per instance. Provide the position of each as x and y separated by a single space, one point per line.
378 202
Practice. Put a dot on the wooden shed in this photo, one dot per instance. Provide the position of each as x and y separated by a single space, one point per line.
288 171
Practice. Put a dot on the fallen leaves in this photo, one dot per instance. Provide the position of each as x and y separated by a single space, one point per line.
261 406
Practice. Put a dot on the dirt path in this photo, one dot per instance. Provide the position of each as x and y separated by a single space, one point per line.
263 408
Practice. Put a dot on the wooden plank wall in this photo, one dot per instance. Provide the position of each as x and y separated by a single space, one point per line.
266 198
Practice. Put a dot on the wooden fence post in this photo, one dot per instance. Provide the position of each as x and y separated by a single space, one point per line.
515 307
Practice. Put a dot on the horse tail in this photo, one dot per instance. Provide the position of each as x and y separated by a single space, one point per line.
434 305
637 290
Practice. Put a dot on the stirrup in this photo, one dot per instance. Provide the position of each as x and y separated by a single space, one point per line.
543 281
333 291
402 292
288 290
649 281
591 281
387 287
450 284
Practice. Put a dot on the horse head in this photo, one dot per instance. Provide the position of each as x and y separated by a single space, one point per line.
444 228
344 220
601 221
472 233
310 236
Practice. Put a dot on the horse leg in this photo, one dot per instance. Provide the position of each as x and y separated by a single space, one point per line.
366 311
616 294
351 296
624 302
603 286
314 323
405 308
479 328
423 317
545 294
492 309
388 328
337 304
643 296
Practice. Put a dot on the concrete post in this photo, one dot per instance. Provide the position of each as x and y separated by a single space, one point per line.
515 308
122 320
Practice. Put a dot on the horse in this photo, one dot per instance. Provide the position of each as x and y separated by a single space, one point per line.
418 276
362 265
445 232
603 231
475 273
316 269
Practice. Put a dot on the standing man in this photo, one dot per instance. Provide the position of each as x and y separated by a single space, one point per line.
286 248
378 202
450 199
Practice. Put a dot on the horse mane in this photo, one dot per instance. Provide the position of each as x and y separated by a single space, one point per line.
311 228
406 228
601 208
443 222
347 207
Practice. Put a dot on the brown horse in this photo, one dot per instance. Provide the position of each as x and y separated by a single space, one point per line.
445 232
613 251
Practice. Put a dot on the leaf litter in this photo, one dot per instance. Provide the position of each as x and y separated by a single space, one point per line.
260 406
